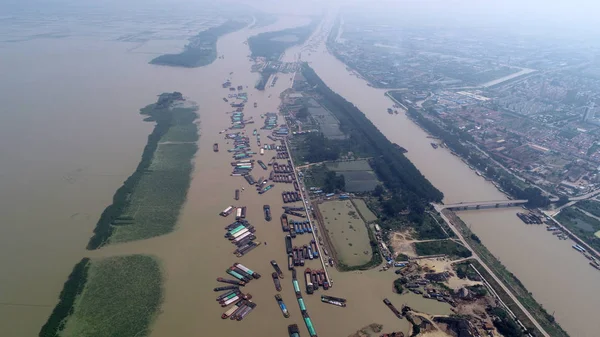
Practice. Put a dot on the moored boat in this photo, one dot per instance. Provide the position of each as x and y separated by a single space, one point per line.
282 306
293 330
277 269
308 281
276 281
330 301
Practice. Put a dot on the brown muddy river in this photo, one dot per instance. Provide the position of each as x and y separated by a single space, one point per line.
559 278
66 148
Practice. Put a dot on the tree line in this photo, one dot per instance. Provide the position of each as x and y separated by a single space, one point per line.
391 166
202 49
266 45
65 307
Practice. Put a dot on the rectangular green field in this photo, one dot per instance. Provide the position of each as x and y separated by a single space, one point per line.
358 175
347 232
364 210
354 165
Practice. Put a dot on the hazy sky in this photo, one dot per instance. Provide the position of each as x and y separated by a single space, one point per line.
561 17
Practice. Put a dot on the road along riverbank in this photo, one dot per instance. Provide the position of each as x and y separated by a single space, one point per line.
461 184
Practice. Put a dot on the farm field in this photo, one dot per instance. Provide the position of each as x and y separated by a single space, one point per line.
347 232
364 211
358 175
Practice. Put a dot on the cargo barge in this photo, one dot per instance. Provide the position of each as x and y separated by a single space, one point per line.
267 188
290 262
309 325
288 244
282 306
276 281
333 300
293 330
233 309
227 295
392 308
267 211
277 269
244 312
315 250
235 273
236 195
226 288
262 164
284 223
246 249
530 218
226 211
247 270
234 282
308 281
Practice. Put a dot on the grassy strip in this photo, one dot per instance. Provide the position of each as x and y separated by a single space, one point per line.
71 289
121 298
173 124
202 49
446 247
511 281
573 219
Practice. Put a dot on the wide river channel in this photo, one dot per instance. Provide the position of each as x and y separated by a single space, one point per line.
71 134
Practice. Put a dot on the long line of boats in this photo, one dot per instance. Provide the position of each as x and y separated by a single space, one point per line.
593 262
305 316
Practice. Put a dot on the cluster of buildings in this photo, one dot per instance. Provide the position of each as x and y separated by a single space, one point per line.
543 125
560 155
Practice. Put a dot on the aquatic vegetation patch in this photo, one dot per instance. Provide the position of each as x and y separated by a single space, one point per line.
71 290
202 49
121 297
157 199
149 202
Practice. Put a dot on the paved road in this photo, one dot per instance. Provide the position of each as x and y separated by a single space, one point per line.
475 256
306 203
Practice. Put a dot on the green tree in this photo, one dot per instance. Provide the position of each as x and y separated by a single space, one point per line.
398 286
302 113
378 191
